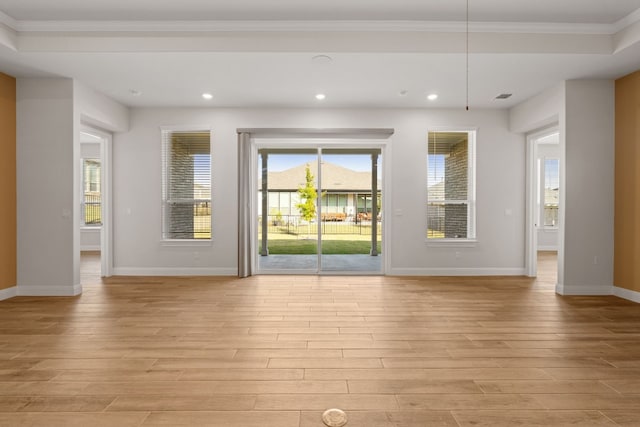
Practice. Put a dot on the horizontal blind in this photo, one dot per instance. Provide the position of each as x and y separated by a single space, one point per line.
91 192
186 184
450 194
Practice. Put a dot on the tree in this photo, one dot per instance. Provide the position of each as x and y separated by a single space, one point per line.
308 196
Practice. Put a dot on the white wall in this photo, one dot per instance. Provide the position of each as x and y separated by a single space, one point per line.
98 110
49 114
500 188
90 239
45 161
585 112
542 110
589 187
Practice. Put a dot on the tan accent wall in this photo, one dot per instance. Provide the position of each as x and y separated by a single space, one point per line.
627 189
8 242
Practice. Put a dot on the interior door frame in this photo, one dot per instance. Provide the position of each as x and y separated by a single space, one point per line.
318 143
532 194
106 230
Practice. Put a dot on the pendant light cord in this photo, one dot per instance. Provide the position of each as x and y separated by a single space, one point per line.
467 54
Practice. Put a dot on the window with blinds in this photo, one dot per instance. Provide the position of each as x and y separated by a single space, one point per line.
450 185
91 194
186 189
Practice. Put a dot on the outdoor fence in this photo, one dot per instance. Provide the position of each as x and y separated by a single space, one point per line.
551 215
294 225
92 209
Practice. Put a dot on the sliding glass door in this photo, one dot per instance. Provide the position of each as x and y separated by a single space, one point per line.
287 220
319 210
350 210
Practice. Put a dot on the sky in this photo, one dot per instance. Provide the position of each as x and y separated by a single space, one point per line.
551 174
356 162
202 169
435 169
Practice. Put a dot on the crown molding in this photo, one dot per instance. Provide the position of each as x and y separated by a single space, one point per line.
62 26
627 21
311 26
8 36
8 21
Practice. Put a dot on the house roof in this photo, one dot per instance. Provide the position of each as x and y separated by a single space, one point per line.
335 178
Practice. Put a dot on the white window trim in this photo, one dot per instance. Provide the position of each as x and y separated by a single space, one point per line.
471 191
186 242
450 243
183 242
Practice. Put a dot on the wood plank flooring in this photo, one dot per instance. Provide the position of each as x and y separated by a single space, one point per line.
276 351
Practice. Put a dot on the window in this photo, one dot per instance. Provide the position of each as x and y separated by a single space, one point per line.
451 186
334 203
551 192
186 191
91 195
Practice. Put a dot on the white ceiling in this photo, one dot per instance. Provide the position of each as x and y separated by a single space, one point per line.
259 54
571 11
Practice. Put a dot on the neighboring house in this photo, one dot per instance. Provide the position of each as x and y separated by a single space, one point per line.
346 193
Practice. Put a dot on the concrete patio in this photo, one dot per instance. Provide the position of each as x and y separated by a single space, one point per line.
330 263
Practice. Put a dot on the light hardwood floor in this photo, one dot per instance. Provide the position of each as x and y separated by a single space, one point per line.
276 351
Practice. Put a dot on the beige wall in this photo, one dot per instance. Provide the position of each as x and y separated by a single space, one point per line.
7 181
627 193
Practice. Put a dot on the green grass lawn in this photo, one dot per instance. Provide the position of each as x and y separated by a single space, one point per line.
329 247
433 234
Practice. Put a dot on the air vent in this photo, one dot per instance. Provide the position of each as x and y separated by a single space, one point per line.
504 96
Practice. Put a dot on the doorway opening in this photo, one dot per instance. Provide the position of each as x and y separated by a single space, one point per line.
253 195
544 205
94 196
319 210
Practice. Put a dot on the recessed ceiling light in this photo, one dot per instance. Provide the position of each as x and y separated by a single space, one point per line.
207 96
432 96
320 96
135 92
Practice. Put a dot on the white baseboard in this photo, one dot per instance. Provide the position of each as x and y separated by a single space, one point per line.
177 271
626 294
456 272
49 291
562 289
8 293
92 248
547 248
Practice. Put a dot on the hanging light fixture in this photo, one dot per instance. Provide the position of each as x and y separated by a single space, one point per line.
467 55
